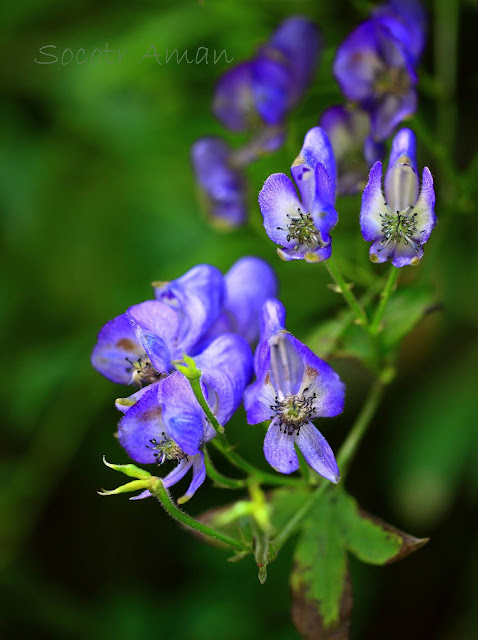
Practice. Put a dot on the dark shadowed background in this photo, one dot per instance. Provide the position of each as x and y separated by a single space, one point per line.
97 201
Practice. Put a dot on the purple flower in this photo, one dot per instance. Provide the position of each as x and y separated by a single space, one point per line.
166 423
399 224
302 227
407 20
373 68
249 283
261 91
297 43
222 185
138 346
293 387
253 94
355 151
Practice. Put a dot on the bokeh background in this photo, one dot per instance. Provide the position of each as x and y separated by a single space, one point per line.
97 201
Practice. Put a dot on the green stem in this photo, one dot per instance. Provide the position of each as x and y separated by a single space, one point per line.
219 479
349 447
160 491
349 297
384 296
196 387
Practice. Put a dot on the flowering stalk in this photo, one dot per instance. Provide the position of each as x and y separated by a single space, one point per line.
384 296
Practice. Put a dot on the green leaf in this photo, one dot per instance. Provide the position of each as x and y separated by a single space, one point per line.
404 311
319 579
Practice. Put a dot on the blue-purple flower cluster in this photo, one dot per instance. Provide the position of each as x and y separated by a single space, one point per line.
375 67
216 320
255 96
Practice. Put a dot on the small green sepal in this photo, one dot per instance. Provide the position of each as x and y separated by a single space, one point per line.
134 485
188 367
129 470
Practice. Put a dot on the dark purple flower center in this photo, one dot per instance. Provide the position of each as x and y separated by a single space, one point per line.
166 449
294 411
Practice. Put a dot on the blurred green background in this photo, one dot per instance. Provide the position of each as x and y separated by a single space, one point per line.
97 201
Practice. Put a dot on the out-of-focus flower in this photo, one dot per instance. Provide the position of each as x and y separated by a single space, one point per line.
373 68
302 227
348 129
407 20
296 43
293 387
260 91
222 185
400 223
165 421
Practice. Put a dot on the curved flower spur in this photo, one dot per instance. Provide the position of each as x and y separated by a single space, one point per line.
400 223
293 387
302 228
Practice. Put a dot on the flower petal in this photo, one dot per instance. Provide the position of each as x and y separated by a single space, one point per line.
390 110
401 187
223 187
124 404
315 150
297 39
226 367
381 252
273 315
279 449
260 396
141 424
157 326
321 379
406 254
182 415
234 101
272 89
199 475
116 346
249 283
198 297
404 145
425 208
358 61
278 202
373 204
317 452
178 472
309 255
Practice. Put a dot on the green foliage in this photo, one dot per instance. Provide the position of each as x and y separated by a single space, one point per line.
406 307
335 527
